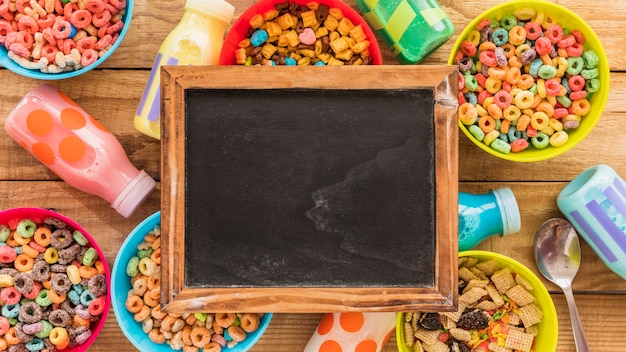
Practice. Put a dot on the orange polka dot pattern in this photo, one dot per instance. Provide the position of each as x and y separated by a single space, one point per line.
352 332
60 140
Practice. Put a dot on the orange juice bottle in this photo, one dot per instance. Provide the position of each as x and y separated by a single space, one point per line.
196 40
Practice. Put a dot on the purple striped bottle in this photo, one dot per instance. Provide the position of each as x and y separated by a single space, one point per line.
595 203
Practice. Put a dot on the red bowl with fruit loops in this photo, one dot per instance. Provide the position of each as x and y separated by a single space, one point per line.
54 282
53 39
533 82
241 30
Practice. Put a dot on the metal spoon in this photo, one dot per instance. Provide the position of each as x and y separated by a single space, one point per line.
557 252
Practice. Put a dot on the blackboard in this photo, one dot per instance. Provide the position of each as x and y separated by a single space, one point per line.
309 188
306 188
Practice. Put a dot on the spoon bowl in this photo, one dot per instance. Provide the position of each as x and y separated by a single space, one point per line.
557 253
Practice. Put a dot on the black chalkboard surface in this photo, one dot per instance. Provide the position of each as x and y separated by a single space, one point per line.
309 189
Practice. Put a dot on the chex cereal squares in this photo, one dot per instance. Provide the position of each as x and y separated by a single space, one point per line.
499 314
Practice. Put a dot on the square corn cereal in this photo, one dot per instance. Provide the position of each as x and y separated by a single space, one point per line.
487 305
456 315
494 294
533 330
472 296
530 314
479 273
520 295
517 340
467 275
470 262
427 336
475 283
439 346
514 318
488 266
503 280
523 282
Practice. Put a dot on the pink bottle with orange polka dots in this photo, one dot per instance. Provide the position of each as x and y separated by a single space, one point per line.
352 332
76 147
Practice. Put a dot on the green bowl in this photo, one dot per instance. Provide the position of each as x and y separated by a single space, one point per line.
566 19
548 336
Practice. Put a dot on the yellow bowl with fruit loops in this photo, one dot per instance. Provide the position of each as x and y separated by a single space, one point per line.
546 330
569 130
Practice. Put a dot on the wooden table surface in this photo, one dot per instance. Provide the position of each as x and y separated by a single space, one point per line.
111 93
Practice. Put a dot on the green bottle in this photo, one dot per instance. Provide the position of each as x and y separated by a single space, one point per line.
413 29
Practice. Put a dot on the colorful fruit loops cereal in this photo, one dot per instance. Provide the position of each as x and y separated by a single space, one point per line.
524 81
208 332
313 34
53 286
55 36
497 312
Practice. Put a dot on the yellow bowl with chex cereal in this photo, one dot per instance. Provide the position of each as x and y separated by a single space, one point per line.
501 302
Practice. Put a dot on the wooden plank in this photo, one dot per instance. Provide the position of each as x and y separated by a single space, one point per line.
603 318
153 20
183 212
115 109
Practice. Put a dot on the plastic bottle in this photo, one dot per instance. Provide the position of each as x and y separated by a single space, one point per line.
413 29
76 147
595 203
485 215
196 40
354 331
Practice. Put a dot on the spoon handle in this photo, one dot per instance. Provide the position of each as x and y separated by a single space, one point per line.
579 335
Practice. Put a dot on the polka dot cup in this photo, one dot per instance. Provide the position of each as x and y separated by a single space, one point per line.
354 331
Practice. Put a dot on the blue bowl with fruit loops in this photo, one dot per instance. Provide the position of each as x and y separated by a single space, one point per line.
240 331
534 80
53 50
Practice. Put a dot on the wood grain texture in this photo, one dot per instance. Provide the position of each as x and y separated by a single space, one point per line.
112 92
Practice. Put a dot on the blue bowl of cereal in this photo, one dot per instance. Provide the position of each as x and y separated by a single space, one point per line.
534 80
300 32
48 49
55 282
500 297
135 298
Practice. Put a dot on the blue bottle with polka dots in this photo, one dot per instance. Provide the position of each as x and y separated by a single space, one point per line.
485 215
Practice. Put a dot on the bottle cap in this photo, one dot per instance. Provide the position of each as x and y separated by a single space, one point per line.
217 8
134 194
511 222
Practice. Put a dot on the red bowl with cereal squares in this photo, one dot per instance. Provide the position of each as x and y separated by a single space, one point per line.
580 124
241 26
14 231
110 22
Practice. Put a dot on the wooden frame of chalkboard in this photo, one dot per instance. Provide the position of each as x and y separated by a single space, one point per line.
287 189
